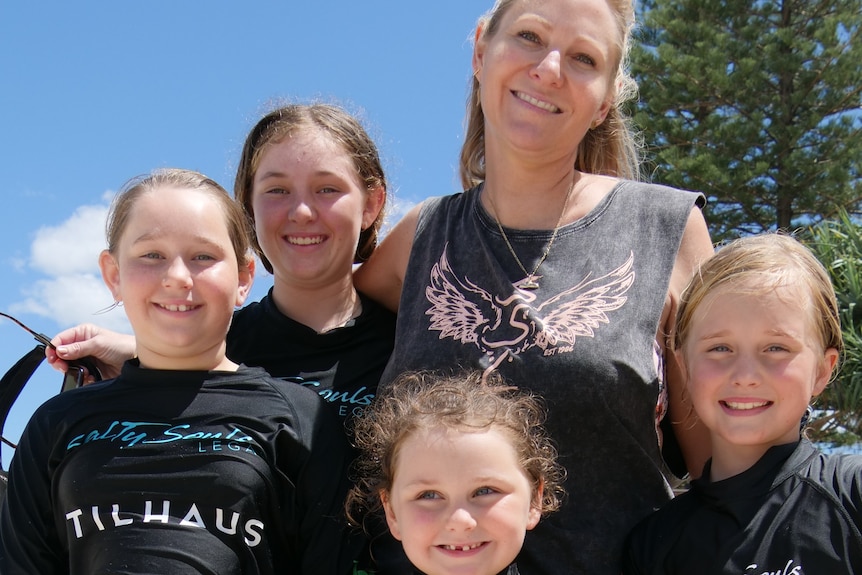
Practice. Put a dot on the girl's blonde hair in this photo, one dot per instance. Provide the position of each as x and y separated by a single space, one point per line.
237 224
757 265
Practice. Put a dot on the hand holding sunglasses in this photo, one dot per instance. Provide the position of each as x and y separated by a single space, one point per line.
77 370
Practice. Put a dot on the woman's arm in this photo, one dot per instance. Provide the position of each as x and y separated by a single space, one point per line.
692 435
382 276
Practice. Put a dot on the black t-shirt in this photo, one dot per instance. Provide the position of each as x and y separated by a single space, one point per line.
796 511
343 365
179 472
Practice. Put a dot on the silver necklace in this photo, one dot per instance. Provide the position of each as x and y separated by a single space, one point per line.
531 281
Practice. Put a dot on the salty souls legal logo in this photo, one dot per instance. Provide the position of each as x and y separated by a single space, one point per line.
789 569
130 433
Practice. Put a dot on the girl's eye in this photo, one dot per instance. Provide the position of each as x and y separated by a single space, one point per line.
719 348
776 347
485 491
204 257
428 495
151 256
276 191
329 190
529 36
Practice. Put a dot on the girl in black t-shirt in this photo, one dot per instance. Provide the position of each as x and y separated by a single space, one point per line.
758 336
185 462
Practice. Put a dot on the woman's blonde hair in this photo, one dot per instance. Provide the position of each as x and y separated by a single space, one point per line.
609 148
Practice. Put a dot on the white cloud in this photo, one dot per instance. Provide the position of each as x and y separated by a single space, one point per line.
68 255
73 299
396 210
73 246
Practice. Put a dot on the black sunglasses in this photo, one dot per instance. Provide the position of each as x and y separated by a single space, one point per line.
77 370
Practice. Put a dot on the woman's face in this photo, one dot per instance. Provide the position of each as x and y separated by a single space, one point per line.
546 74
310 206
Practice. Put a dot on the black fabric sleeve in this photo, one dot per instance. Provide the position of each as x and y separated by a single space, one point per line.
631 563
325 543
29 543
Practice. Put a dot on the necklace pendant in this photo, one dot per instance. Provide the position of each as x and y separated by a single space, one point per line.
529 283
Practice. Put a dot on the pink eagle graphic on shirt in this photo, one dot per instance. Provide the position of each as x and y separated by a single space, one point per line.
505 327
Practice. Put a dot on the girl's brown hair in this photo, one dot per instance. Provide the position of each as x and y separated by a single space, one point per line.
342 128
422 401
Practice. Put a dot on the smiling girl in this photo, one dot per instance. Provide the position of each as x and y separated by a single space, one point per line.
461 468
758 337
311 181
186 462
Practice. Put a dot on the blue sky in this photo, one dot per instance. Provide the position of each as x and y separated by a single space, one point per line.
95 93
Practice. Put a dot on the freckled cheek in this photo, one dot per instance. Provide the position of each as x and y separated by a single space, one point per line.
702 385
421 526
347 211
136 277
267 221
345 230
223 276
508 507
706 373
423 517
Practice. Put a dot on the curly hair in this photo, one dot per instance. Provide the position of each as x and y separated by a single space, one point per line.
418 401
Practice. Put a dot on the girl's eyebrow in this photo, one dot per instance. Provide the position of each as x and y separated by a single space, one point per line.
149 235
420 482
486 479
269 174
786 334
713 335
156 235
774 332
278 174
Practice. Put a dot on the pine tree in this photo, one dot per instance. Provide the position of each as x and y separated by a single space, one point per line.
757 104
